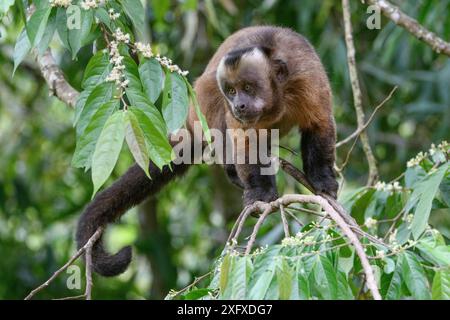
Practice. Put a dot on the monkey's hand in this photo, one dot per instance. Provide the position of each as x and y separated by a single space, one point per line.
259 194
323 180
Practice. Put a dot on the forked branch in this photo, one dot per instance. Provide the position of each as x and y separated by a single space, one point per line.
87 249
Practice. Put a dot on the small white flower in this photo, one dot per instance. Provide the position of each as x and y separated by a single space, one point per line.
393 237
380 186
113 15
60 3
370 222
380 254
145 49
89 4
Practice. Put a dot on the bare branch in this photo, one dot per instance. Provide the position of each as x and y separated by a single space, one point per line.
53 75
336 216
55 79
357 96
258 225
86 248
412 26
285 222
361 129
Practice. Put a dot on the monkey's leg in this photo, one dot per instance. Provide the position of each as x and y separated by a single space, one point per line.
318 154
231 172
257 186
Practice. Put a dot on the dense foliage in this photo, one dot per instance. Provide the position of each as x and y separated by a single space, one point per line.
130 94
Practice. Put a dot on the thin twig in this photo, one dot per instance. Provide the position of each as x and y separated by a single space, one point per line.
364 127
86 248
258 225
412 26
81 296
285 222
301 224
196 280
357 95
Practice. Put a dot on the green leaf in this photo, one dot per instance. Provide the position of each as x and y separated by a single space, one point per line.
99 95
48 34
425 194
441 285
445 191
152 78
361 203
136 141
21 49
135 11
79 105
61 27
131 73
263 272
439 255
344 290
20 6
88 140
5 5
159 148
303 270
175 102
238 278
97 69
139 100
107 149
199 113
325 277
37 23
285 278
103 16
77 36
196 294
414 276
224 273
414 175
391 284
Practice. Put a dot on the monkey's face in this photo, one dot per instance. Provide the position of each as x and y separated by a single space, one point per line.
244 80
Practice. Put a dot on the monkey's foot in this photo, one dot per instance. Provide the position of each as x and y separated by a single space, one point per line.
259 194
325 184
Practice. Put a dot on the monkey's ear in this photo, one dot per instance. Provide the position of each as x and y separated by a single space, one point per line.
281 70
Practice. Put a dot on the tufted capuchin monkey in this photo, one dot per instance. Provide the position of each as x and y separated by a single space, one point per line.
259 78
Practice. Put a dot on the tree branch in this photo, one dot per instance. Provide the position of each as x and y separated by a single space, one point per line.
358 131
54 77
286 200
357 96
87 248
412 26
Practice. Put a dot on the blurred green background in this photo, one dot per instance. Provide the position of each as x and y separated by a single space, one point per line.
177 235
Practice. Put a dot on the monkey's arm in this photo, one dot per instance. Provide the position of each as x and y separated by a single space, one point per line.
318 154
257 186
231 172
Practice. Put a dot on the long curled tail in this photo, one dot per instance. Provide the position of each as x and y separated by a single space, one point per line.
109 205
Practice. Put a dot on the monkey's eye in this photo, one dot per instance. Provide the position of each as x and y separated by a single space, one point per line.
231 91
247 88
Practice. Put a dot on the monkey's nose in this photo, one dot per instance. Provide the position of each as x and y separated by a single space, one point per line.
241 107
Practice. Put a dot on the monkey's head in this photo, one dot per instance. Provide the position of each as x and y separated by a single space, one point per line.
250 82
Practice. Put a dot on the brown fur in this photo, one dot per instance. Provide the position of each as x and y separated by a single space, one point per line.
300 97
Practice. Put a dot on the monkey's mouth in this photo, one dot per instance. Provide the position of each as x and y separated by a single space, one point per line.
246 117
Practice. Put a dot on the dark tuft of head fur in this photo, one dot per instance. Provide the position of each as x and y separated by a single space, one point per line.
233 58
